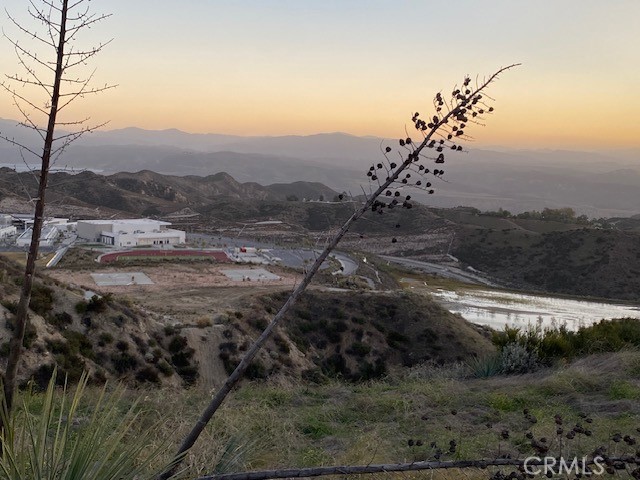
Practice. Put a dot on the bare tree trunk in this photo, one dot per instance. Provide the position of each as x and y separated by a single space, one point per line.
457 114
404 467
21 317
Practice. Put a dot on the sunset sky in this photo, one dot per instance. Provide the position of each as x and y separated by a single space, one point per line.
274 67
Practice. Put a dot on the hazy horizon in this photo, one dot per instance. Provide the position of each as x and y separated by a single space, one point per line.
298 68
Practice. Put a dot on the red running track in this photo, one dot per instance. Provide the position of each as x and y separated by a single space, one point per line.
216 255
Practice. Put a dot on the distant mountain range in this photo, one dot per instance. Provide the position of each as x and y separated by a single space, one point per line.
150 193
593 183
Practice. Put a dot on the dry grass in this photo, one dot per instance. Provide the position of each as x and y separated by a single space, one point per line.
267 425
21 258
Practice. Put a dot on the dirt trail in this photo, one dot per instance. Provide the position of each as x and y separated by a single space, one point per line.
205 342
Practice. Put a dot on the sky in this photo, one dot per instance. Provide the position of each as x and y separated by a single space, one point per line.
280 67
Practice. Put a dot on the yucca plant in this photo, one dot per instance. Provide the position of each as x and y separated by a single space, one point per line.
484 367
47 436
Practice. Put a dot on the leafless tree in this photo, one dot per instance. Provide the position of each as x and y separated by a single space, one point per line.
52 75
466 106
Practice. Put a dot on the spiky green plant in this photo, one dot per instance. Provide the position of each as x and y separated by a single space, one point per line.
484 367
47 436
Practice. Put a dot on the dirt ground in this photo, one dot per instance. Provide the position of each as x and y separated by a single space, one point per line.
182 293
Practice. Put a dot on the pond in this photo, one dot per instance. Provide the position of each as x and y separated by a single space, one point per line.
496 309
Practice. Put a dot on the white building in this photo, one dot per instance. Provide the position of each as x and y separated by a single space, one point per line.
24 221
130 232
48 236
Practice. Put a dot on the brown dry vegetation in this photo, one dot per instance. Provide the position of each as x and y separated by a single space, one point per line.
286 423
196 322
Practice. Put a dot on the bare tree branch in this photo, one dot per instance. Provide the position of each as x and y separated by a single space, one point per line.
61 31
397 467
464 103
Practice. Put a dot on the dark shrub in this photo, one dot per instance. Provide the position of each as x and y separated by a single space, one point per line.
123 362
177 344
359 349
61 320
99 304
41 299
182 358
105 338
81 307
256 370
79 343
147 374
11 306
189 374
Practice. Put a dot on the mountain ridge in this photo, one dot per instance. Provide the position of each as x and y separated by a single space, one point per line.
598 184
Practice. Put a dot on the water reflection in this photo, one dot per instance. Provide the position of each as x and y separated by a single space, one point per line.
497 309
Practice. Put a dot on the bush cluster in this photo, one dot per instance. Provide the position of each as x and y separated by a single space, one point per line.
554 344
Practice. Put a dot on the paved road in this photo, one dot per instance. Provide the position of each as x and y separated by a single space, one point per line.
349 266
443 271
289 257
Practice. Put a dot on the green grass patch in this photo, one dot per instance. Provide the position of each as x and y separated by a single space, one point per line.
624 390
506 403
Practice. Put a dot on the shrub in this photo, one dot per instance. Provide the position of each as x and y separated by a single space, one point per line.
58 347
394 339
105 338
61 320
30 333
516 359
335 365
370 371
169 330
164 368
281 343
560 343
123 362
188 373
99 304
359 349
147 374
256 370
79 343
182 358
11 306
177 344
81 307
70 367
141 344
313 375
203 322
41 300
259 323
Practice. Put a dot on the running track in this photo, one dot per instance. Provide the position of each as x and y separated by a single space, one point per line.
218 256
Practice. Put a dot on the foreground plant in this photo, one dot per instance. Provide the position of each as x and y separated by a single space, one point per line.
51 437
444 130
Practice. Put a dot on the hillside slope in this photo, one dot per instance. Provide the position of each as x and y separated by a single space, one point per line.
579 261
